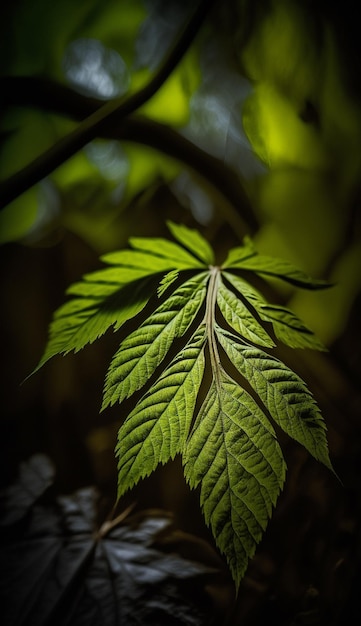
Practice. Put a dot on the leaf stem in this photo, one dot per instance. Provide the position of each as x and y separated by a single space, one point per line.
210 322
108 525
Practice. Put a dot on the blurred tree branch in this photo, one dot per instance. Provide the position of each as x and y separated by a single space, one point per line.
47 95
105 116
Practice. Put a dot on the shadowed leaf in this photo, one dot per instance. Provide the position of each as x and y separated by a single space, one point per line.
59 567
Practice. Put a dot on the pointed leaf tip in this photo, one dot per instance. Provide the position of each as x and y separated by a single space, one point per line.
193 241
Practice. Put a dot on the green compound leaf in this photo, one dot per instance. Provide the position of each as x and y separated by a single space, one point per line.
144 349
192 240
156 429
199 320
233 455
283 393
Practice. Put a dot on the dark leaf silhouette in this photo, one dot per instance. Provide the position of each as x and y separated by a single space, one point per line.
60 567
35 477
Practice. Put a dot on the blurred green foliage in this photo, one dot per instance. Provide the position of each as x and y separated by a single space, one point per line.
258 89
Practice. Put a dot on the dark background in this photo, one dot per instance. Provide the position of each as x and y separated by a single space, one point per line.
307 568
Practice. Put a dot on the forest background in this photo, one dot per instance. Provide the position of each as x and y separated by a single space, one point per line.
256 131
